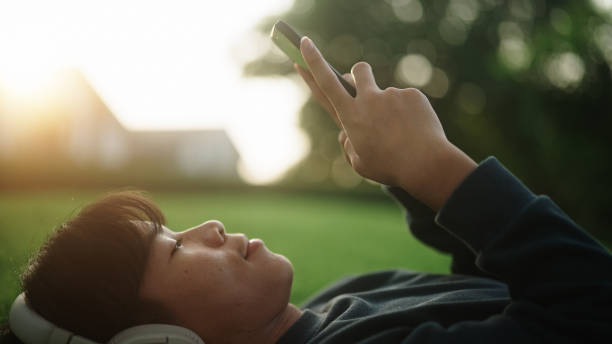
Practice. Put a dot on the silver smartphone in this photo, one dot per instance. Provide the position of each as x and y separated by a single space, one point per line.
288 40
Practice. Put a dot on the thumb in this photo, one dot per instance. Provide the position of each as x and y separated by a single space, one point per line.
349 78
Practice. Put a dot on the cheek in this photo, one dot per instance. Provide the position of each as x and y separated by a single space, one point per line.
200 287
213 275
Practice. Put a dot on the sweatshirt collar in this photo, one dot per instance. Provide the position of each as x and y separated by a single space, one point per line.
303 329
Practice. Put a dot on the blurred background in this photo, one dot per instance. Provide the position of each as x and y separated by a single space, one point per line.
191 101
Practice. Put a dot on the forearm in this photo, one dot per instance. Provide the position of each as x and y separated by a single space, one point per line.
555 271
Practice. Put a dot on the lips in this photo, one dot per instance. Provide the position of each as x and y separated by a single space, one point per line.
253 246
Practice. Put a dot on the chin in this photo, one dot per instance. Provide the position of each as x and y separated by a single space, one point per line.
287 262
281 267
284 267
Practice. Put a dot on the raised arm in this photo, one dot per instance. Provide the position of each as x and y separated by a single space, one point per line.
379 118
558 276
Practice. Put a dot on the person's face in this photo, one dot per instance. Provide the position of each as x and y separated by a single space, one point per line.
214 282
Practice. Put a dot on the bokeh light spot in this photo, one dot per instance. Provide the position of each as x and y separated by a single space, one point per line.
565 70
414 70
466 10
514 53
602 5
408 11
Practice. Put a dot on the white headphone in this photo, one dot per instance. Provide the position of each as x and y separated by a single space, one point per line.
31 328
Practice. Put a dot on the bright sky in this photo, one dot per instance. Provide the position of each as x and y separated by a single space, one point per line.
164 64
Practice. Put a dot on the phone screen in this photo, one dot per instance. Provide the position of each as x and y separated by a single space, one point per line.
289 42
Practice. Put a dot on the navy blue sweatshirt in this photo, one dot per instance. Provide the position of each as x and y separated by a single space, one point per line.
522 272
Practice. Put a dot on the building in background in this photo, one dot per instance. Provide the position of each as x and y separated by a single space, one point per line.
69 136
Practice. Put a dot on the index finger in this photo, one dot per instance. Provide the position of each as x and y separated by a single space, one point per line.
323 75
317 93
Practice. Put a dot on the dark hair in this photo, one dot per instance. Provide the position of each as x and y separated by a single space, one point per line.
86 277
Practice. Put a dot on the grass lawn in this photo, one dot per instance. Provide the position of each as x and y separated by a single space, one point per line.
324 237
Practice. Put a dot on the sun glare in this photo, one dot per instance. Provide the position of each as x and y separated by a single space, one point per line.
20 84
161 65
30 62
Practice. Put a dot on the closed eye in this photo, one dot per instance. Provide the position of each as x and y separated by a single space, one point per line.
177 245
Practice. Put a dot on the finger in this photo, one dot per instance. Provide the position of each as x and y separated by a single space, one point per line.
346 145
305 74
323 75
342 137
317 93
349 78
364 77
350 153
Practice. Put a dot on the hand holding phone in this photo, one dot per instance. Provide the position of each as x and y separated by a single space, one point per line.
392 136
288 40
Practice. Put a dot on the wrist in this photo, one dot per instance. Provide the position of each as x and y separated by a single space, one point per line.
445 171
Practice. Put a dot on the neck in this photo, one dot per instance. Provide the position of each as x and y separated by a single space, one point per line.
275 329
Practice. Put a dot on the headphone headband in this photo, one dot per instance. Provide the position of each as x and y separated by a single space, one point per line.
31 328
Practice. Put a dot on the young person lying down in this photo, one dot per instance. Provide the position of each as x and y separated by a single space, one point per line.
522 271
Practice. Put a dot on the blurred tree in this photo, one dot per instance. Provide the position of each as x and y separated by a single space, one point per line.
527 81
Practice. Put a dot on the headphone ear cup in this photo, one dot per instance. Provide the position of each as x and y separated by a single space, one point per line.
156 333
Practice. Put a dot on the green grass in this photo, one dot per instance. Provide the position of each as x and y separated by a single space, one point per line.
325 237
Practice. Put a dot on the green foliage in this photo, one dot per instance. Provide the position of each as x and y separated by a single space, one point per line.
526 81
325 237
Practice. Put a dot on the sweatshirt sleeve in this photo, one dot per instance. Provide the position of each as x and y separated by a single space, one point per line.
559 277
421 224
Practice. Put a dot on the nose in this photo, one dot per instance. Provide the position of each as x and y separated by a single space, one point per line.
212 233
